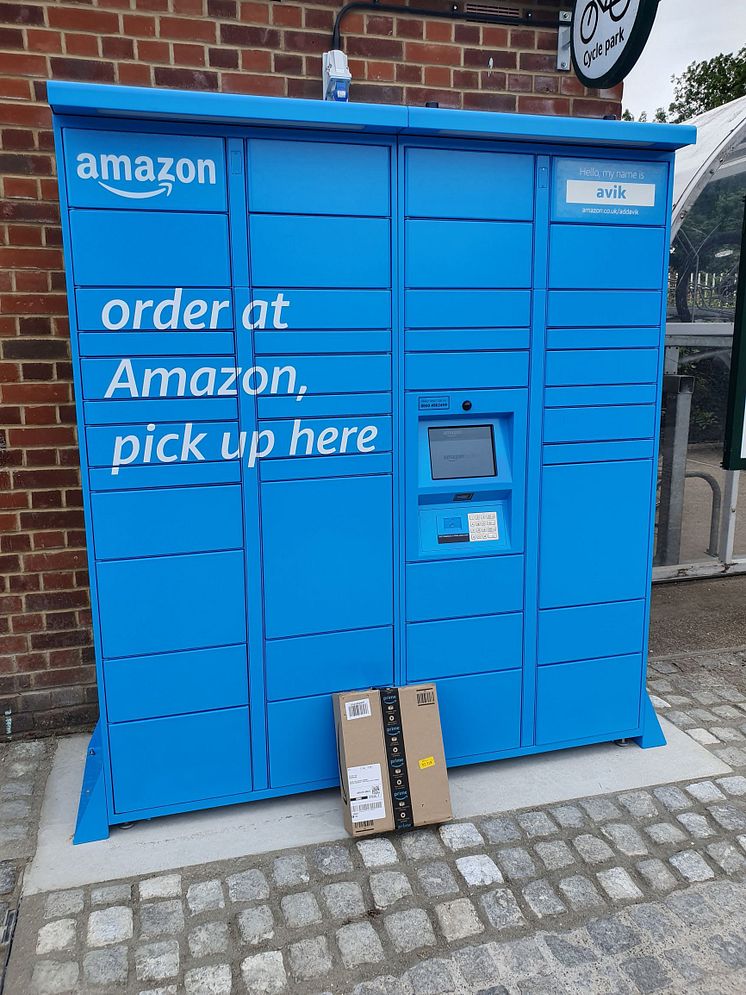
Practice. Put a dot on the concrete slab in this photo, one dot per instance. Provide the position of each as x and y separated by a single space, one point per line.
242 830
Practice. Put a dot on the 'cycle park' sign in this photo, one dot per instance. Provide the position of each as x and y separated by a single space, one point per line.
608 37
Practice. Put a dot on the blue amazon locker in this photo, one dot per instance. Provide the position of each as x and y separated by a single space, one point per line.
366 395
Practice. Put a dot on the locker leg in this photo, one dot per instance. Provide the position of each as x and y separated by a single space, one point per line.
652 733
93 820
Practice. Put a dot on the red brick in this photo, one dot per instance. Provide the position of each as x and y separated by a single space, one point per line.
86 46
444 55
21 13
190 79
407 27
543 105
138 26
187 29
249 34
82 19
88 70
254 13
268 85
439 31
44 41
287 15
224 58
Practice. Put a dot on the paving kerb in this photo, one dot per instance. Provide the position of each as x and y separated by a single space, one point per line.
557 922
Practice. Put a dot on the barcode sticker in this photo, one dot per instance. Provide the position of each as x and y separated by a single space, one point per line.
365 786
426 697
358 709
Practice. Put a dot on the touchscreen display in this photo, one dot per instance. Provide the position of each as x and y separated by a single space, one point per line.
462 451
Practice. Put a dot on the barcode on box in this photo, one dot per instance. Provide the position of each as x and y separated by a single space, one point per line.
368 824
359 709
426 697
362 811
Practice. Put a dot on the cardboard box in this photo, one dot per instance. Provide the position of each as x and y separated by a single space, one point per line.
391 760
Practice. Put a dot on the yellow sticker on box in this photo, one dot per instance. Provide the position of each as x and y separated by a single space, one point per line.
427 762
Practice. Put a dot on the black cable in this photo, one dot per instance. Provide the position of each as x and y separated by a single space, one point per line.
454 13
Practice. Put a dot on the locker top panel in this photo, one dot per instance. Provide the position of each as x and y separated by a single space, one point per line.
86 99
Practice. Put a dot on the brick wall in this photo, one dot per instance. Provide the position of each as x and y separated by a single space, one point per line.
46 658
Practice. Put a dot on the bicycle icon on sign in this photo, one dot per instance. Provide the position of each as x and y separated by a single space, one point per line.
616 9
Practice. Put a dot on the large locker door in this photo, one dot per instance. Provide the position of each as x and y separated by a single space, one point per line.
326 494
154 306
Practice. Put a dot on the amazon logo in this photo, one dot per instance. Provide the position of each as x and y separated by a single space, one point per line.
153 177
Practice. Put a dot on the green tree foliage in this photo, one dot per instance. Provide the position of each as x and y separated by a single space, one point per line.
708 84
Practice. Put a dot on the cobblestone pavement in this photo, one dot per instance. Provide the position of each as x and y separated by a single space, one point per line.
638 892
24 768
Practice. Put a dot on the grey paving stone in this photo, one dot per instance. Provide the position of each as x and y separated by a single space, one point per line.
625 838
409 930
210 938
109 926
256 924
161 918
56 935
569 954
107 967
664 833
431 977
290 871
477 965
248 886
501 829
389 887
696 825
733 785
731 949
51 977
437 879
420 843
264 974
654 921
215 979
344 899
555 854
727 857
703 736
581 893
543 900
672 798
535 824
205 896
518 959
479 870
569 816
8 878
332 859
458 919
657 875
163 886
109 894
63 903
460 835
309 958
601 809
300 909
705 792
378 852
731 755
501 909
592 849
640 804
729 816
516 863
692 909
618 885
692 866
359 944
611 935
686 963
157 961
648 973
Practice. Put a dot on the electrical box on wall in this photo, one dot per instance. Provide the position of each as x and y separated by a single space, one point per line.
337 435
